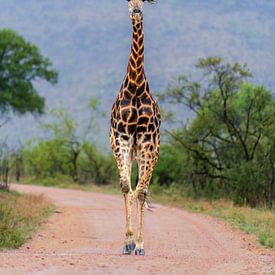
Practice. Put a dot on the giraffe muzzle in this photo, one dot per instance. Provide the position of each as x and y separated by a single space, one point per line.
136 10
137 14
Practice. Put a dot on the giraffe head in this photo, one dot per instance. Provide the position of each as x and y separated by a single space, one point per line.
135 8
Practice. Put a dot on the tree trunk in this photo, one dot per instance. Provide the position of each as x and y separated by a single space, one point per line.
74 171
194 185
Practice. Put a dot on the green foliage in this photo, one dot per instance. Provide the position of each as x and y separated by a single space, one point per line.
21 63
46 158
96 166
171 167
66 155
229 146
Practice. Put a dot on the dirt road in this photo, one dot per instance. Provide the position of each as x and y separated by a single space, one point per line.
85 236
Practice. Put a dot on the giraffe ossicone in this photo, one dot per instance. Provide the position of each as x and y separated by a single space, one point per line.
134 133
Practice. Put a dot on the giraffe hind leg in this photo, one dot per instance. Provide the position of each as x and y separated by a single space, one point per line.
141 196
146 163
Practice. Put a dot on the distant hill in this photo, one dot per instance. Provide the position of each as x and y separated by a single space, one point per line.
89 43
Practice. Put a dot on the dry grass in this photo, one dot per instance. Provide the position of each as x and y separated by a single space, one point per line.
19 217
260 222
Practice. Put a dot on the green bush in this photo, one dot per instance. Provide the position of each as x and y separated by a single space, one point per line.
228 149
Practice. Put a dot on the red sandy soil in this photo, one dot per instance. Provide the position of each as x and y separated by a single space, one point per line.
85 236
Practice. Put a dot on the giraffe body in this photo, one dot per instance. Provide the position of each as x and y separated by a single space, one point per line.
134 133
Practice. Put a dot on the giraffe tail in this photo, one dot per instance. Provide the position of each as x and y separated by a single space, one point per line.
148 206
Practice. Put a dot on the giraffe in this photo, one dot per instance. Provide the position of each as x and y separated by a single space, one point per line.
134 133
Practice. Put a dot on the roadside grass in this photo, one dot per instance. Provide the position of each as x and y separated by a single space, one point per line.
258 221
20 215
66 182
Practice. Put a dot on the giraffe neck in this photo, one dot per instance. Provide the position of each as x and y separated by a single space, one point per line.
136 63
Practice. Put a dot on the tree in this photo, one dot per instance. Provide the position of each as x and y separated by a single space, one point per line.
230 139
21 63
65 131
67 150
96 166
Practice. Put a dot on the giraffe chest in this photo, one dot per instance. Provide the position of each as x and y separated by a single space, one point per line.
135 115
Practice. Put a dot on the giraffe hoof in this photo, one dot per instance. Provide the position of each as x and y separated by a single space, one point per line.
140 252
132 246
128 248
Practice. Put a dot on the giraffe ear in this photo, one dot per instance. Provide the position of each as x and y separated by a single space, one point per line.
150 1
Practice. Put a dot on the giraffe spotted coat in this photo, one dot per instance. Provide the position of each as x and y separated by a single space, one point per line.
134 133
